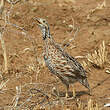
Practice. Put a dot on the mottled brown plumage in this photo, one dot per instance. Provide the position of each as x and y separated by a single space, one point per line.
61 64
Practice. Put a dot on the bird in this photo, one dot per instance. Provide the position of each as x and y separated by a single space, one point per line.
59 62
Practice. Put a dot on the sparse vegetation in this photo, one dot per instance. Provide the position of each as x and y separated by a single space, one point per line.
98 58
25 82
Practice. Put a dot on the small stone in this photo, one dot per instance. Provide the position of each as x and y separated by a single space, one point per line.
107 71
70 26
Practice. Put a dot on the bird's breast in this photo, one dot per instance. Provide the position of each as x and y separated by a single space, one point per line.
56 60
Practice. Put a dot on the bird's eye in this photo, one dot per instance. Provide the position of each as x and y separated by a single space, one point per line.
43 21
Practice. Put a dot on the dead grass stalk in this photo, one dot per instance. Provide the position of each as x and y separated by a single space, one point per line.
4 51
92 105
99 57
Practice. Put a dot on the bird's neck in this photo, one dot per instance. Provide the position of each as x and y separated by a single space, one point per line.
47 38
45 33
48 46
48 42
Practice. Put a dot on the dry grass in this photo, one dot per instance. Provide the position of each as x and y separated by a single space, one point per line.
92 105
41 98
38 99
98 58
4 51
99 7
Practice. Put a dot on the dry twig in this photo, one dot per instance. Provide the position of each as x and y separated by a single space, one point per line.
72 39
4 51
16 98
99 7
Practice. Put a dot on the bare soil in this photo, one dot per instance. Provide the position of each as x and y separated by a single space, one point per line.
27 73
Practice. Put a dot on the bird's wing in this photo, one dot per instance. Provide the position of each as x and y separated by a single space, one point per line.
79 70
75 66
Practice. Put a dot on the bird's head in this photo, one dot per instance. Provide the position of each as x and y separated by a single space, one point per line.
43 24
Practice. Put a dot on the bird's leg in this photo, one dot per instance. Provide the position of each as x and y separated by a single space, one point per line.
74 93
90 92
67 89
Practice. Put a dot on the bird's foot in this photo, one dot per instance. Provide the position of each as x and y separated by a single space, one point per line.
67 97
90 92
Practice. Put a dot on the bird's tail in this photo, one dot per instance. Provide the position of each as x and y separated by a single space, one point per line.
84 82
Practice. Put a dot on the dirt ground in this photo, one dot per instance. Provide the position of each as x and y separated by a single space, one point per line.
28 84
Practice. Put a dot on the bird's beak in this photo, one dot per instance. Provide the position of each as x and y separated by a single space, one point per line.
38 20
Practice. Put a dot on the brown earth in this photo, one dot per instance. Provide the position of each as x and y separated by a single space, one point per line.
26 69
